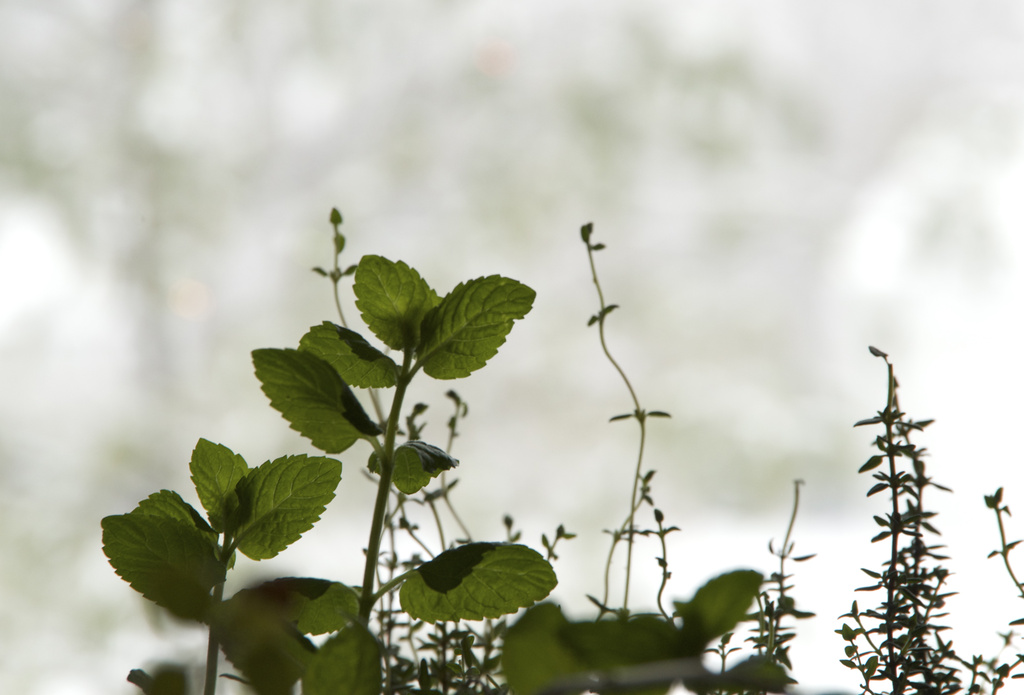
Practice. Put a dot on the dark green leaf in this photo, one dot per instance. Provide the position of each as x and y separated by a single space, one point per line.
314 606
873 462
469 325
356 361
168 679
877 488
534 653
476 581
335 217
876 352
216 471
313 398
716 608
281 500
417 463
254 630
167 560
349 663
393 300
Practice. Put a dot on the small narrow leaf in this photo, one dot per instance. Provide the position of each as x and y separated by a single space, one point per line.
313 398
466 329
348 663
417 463
281 500
878 488
476 581
876 352
216 471
356 361
393 300
167 560
872 463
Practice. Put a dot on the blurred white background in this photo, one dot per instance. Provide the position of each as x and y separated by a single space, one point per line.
779 185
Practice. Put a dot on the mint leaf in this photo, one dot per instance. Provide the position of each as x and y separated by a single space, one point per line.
477 581
716 608
216 471
470 324
417 463
543 646
281 500
169 505
347 663
313 398
314 606
393 300
359 363
534 653
253 630
165 558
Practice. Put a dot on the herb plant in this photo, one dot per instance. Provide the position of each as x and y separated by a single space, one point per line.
437 620
179 559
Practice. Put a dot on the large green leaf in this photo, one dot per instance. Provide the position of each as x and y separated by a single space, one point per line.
476 581
314 606
535 654
168 560
716 608
254 630
470 324
216 471
281 500
393 300
313 398
348 663
417 463
359 363
543 648
545 652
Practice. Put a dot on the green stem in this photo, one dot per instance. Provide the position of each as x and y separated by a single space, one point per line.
640 416
387 466
213 650
212 645
1005 552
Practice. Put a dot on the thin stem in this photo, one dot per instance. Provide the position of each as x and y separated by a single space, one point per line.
213 650
212 646
387 466
895 525
641 419
336 275
1005 552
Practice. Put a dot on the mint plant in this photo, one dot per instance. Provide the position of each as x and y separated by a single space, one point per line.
180 559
